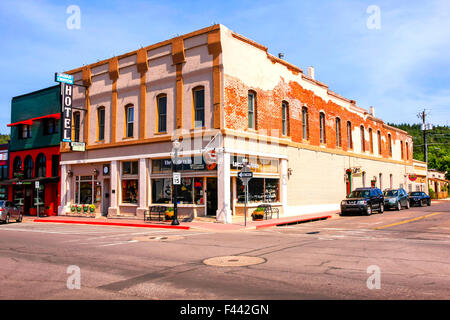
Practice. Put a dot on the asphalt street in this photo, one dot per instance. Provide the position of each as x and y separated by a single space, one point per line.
402 254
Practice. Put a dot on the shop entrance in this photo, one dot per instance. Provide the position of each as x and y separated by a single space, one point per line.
28 200
106 198
348 183
211 196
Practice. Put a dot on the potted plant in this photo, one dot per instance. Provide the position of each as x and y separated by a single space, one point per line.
258 214
169 214
73 208
92 209
78 208
85 208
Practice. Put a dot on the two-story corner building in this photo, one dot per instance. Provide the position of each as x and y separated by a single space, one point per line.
307 145
35 151
4 173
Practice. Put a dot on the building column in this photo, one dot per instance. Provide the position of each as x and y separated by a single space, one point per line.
64 192
142 188
283 189
223 188
113 209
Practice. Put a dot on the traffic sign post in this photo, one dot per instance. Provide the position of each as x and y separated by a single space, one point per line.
36 185
245 175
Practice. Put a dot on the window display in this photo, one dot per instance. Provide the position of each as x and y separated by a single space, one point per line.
162 190
130 191
259 190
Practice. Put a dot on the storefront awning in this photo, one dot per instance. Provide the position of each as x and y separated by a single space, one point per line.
30 121
28 181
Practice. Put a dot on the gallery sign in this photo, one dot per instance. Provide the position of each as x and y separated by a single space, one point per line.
66 116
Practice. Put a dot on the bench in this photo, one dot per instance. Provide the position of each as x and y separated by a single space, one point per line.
269 211
156 213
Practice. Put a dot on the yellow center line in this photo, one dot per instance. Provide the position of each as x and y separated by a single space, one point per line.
409 220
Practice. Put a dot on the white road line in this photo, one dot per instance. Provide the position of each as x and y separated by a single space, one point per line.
118 243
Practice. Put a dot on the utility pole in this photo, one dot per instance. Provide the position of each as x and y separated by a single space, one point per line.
423 115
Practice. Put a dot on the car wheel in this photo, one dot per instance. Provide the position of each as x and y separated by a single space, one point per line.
429 203
369 210
407 204
399 206
20 218
7 219
381 208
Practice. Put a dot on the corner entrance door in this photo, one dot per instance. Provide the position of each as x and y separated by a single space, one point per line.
106 197
348 183
28 200
211 196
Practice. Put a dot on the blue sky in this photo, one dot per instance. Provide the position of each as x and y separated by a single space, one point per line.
399 69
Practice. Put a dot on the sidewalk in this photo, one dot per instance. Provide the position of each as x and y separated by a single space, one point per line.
201 223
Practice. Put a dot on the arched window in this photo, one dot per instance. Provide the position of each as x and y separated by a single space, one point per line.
305 123
370 140
363 140
252 110
17 164
28 167
390 144
402 155
285 118
322 128
161 109
379 142
129 120
349 135
41 162
101 123
338 132
407 151
199 107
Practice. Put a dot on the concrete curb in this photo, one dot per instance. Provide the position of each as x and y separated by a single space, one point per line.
292 221
117 224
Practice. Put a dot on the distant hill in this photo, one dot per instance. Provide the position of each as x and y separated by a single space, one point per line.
4 138
438 145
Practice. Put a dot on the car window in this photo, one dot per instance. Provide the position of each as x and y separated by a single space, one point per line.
391 193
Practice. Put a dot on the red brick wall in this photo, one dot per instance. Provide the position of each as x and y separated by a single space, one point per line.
268 115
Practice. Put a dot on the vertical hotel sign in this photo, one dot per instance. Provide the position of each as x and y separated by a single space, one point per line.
66 108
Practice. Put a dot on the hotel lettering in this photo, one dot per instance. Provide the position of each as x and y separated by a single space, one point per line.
66 112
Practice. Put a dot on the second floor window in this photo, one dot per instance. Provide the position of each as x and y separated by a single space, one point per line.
322 128
76 126
363 140
407 151
251 110
162 113
379 142
50 126
349 135
338 132
17 165
390 145
101 123
24 131
305 123
285 118
371 140
129 121
199 107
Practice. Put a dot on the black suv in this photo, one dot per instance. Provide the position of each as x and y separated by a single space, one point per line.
363 200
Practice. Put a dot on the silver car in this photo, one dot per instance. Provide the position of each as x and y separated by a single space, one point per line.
9 211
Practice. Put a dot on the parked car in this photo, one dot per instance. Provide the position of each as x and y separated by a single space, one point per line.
363 200
419 198
9 211
396 199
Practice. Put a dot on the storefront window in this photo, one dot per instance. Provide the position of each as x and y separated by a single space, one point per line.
130 167
84 189
185 194
130 191
198 191
259 190
162 191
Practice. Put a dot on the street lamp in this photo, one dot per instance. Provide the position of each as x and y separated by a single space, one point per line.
176 147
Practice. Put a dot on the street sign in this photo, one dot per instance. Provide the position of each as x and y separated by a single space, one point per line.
63 78
245 175
176 178
36 184
78 146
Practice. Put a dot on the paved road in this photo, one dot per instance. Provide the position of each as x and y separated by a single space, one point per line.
317 260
